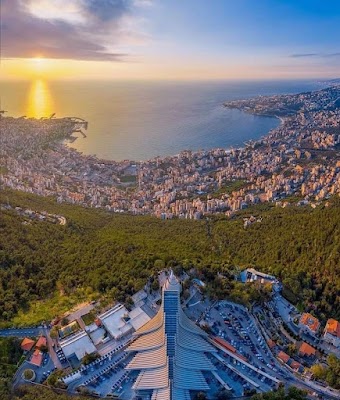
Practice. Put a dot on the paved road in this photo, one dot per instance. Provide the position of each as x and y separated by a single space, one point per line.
94 370
248 323
77 314
21 333
34 332
284 308
41 372
51 349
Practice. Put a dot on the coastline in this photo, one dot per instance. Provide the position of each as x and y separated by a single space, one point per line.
227 149
172 186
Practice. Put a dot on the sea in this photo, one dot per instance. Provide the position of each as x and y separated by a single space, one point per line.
138 120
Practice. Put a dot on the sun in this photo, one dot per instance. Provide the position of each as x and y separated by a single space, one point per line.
39 63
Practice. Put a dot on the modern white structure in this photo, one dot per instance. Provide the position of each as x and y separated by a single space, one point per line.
118 321
252 275
78 344
170 351
115 321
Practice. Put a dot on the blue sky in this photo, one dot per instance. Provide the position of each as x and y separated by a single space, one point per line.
179 38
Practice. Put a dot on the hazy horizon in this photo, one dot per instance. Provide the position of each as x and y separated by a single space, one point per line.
170 40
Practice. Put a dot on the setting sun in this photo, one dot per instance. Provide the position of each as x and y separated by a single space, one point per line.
39 62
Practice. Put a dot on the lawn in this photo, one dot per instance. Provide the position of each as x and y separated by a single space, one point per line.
128 179
89 318
47 310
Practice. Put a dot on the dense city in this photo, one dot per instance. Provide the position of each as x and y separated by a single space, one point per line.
299 160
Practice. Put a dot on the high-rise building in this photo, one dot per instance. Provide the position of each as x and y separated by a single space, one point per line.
170 352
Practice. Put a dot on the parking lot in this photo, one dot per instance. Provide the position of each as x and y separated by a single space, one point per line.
105 375
234 324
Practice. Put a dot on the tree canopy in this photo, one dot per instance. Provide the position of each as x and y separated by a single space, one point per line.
46 268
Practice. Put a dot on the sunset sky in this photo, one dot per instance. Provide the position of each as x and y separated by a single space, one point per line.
170 39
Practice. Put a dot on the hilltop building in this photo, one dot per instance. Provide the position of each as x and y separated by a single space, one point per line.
36 358
170 352
252 275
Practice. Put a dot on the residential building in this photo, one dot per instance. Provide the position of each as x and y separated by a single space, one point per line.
27 344
309 324
306 350
332 332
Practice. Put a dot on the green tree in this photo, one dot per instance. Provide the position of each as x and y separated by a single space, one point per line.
200 396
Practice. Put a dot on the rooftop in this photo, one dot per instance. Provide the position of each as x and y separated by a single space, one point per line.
41 342
118 321
115 320
333 327
306 350
170 351
78 344
36 358
310 321
283 356
27 344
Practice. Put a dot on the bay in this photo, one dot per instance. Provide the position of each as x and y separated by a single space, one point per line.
141 120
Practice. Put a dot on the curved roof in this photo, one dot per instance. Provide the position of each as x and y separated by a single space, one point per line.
180 394
192 359
152 325
149 359
150 341
189 379
161 394
171 348
157 378
194 342
187 324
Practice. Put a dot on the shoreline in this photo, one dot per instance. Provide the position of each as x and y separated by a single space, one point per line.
170 187
228 149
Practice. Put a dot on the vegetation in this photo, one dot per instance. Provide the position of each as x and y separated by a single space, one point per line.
89 318
88 358
292 393
46 269
53 379
128 178
29 392
29 375
330 374
10 356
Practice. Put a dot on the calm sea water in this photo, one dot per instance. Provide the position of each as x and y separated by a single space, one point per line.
139 120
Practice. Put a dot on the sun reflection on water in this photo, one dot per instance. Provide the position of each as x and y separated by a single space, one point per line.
40 102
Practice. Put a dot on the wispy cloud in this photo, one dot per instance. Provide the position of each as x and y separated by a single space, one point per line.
320 55
301 55
77 29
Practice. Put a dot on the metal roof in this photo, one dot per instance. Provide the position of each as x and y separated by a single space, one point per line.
170 351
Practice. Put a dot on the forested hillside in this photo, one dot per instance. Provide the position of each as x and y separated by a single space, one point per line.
37 393
97 254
